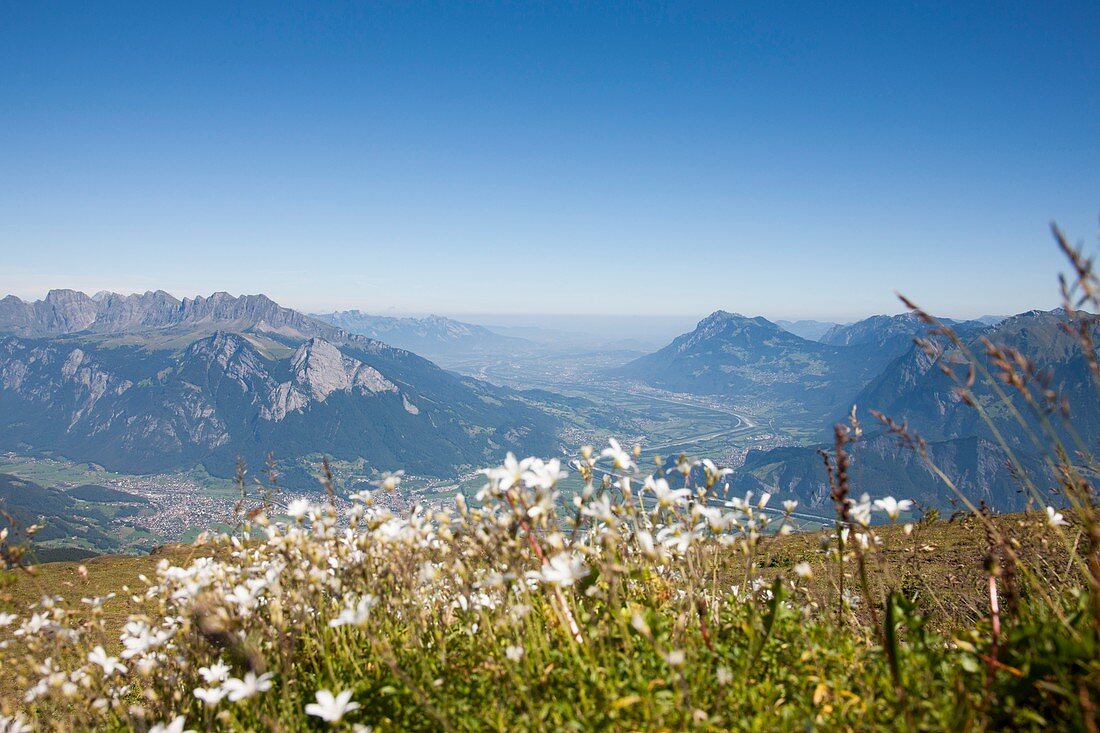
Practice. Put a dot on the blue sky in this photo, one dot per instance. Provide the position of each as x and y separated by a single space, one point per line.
788 159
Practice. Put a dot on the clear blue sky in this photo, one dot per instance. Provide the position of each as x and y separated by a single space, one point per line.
790 159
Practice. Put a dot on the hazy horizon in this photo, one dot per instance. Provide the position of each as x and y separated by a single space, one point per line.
581 323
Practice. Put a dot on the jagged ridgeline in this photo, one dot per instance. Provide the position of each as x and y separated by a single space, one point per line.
145 383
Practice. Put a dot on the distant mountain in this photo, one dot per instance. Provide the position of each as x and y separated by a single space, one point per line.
431 336
912 388
731 354
149 383
810 330
881 466
889 336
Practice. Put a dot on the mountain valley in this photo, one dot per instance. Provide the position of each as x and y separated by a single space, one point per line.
146 384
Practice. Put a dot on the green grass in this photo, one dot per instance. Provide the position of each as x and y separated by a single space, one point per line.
750 662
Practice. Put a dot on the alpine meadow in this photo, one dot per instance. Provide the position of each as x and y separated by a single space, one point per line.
444 366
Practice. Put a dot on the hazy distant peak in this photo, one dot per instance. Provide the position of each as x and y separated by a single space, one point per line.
878 329
720 319
807 328
433 335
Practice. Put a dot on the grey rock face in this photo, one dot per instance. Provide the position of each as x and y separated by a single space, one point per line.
65 312
321 369
61 312
146 383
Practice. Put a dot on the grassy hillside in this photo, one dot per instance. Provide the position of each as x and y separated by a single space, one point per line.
941 564
491 619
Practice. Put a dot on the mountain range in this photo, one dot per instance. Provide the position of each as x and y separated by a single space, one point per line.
433 336
890 334
147 382
914 387
876 365
755 360
154 313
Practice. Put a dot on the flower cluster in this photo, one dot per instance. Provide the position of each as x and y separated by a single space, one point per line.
225 636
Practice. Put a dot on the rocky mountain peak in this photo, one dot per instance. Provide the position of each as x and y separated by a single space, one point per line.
67 311
722 325
719 316
64 296
221 345
320 369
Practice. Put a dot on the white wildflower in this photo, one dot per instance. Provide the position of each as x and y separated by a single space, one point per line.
357 614
714 474
505 476
861 513
675 538
564 569
33 625
176 726
331 708
14 724
298 508
249 686
621 459
390 480
543 475
1055 518
210 695
666 497
893 507
110 665
216 672
600 509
